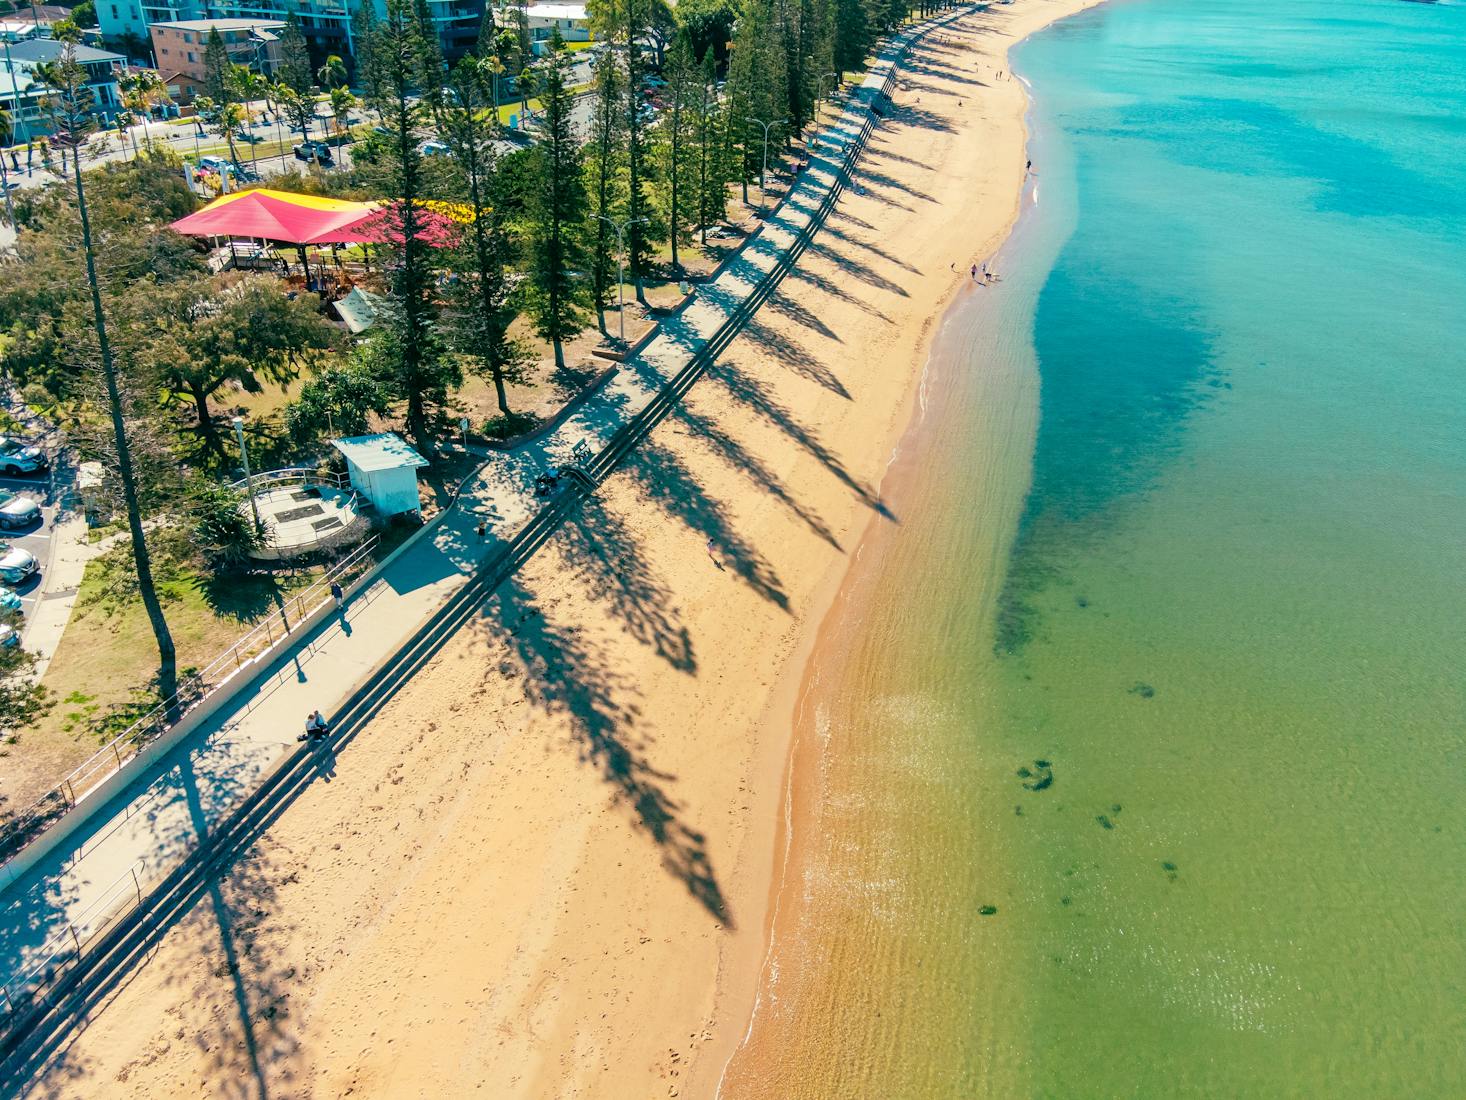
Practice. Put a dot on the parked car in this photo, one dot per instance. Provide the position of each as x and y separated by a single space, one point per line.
214 164
9 636
654 82
16 564
17 458
317 151
9 600
434 149
16 510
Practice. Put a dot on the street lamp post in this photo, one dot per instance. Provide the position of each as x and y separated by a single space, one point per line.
620 230
820 86
764 171
248 477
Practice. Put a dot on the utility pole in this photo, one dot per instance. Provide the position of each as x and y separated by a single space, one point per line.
620 230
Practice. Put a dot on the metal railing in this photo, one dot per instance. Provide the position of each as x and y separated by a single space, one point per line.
63 948
194 688
291 475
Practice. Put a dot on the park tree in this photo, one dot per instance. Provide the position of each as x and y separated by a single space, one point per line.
340 399
605 177
364 38
480 309
625 22
219 84
295 74
709 127
557 212
413 357
677 146
72 114
202 335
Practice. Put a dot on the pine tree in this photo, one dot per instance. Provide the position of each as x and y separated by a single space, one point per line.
295 74
709 127
481 313
412 354
363 41
218 84
557 211
851 36
71 107
606 177
676 145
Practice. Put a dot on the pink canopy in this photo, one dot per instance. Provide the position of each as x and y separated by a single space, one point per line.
383 225
276 216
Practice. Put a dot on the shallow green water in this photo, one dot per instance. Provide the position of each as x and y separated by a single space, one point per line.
1232 618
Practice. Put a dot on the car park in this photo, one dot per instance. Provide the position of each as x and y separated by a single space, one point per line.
16 564
18 458
17 510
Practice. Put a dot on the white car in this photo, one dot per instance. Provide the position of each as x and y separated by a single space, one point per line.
9 600
16 510
16 564
17 458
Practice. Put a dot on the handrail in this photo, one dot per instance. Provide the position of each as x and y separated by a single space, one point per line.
193 690
274 479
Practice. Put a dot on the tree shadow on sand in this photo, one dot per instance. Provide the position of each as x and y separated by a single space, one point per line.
568 675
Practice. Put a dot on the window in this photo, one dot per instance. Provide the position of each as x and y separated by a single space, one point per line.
187 37
114 11
191 58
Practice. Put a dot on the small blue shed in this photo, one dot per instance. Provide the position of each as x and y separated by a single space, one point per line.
383 468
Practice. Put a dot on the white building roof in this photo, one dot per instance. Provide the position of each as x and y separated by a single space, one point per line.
556 11
203 25
384 451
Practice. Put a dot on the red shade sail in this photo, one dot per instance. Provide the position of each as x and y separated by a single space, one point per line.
275 216
383 225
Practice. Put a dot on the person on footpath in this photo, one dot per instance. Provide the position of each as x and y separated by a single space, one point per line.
337 594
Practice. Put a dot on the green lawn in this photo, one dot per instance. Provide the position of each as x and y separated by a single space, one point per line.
108 651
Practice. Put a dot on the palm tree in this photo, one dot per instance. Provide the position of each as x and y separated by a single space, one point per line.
333 73
341 103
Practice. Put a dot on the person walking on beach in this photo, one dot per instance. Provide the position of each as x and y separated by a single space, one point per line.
713 553
973 271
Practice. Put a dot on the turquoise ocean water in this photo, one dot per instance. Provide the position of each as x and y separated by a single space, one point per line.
1227 648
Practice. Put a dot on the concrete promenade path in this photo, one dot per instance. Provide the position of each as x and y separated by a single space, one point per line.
132 841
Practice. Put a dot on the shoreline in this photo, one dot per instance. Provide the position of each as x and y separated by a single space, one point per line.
797 693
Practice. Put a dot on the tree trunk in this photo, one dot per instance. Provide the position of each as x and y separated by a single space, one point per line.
481 250
207 432
142 563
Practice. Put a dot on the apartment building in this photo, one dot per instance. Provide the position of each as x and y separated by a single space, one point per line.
22 91
326 24
178 47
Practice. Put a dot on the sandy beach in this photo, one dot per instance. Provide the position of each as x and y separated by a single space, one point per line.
546 868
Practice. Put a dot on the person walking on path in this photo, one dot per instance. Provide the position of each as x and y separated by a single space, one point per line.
713 553
337 594
482 530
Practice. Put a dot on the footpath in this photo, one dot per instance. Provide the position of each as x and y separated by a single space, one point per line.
133 844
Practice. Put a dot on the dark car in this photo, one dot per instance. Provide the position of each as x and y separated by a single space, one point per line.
317 151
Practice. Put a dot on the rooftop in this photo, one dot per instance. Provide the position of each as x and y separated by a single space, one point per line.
48 49
556 11
384 451
203 25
